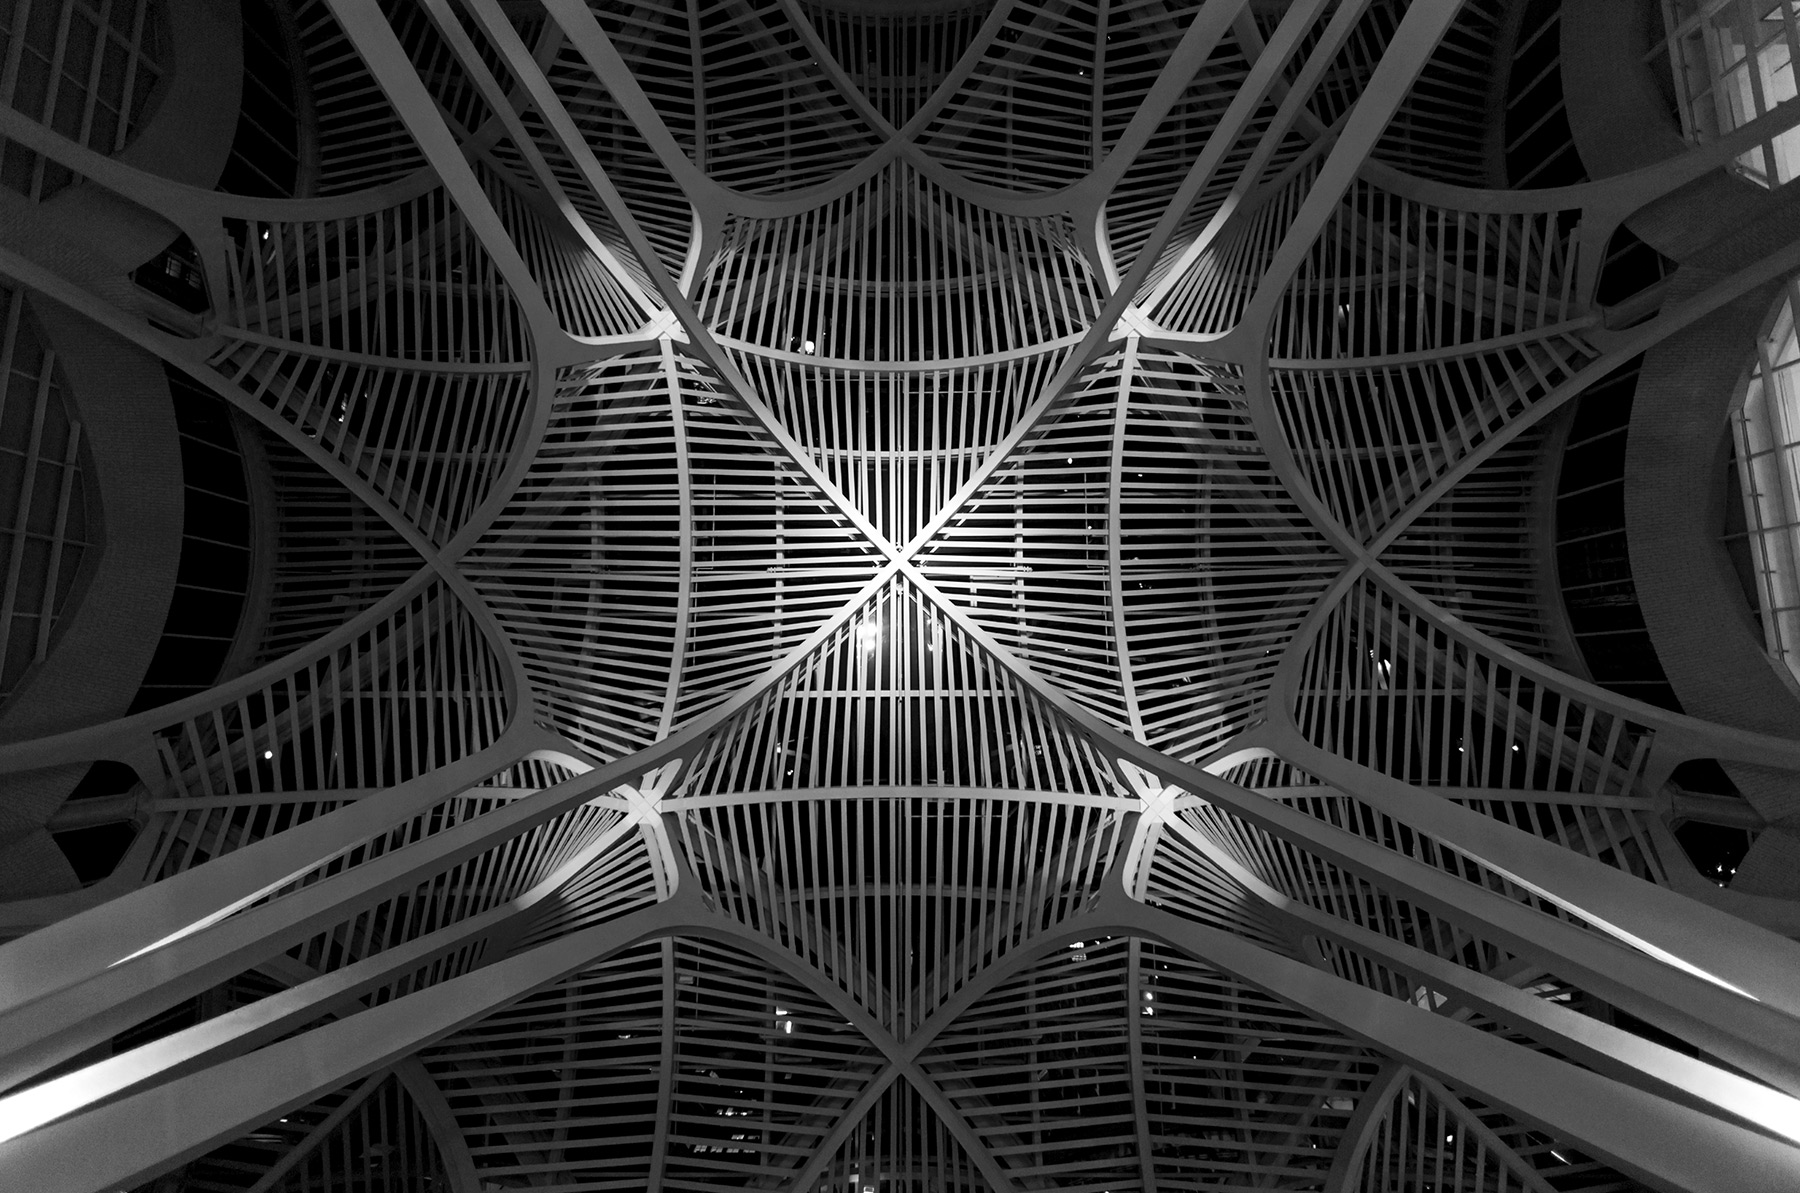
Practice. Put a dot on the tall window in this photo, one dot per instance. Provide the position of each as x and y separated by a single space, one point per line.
1733 61
1767 431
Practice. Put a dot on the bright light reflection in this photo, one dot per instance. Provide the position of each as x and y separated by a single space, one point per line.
868 636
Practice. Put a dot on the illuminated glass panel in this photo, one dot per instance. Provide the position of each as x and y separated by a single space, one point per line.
1767 432
1733 61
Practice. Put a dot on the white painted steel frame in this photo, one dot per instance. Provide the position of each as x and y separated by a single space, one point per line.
590 838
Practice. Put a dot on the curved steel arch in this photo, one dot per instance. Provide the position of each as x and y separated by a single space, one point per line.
1099 644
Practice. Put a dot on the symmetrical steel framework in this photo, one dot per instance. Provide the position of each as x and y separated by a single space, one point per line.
864 596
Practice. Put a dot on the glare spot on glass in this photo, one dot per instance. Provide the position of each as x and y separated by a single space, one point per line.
868 636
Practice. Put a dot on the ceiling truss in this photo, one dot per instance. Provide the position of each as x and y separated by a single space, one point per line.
902 676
